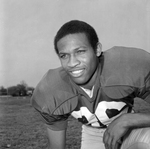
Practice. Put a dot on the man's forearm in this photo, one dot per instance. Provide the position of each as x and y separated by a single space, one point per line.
136 120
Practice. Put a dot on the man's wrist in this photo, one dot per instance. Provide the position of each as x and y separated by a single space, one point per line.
127 120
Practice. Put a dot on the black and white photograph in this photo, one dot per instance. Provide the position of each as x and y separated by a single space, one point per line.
74 74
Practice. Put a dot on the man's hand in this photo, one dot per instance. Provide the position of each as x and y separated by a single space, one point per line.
114 132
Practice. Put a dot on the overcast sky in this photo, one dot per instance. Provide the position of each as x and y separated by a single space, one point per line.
28 27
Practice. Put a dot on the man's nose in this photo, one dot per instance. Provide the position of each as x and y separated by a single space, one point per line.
73 61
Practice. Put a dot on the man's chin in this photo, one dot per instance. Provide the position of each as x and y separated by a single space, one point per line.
79 81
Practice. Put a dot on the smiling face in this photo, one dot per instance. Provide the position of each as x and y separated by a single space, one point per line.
79 59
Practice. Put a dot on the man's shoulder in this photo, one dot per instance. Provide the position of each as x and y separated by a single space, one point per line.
54 92
126 52
126 56
126 66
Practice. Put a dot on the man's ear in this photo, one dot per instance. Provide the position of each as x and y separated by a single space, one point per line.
99 49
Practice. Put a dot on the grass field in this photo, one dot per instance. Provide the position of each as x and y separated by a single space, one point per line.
21 128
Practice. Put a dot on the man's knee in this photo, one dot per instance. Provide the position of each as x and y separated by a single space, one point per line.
137 139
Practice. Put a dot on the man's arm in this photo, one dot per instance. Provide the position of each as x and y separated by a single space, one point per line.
57 139
120 126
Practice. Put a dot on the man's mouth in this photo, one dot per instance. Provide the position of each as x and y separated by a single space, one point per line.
77 73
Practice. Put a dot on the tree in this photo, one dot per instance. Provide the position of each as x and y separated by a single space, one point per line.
21 89
13 90
3 91
23 83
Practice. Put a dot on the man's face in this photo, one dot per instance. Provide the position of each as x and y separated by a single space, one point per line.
78 58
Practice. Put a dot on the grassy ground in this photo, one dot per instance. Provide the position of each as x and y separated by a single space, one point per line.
21 128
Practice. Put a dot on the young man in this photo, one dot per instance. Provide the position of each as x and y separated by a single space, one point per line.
97 88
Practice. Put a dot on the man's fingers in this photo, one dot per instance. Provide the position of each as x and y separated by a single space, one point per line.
107 139
119 141
116 144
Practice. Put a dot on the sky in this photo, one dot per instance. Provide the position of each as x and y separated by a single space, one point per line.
28 27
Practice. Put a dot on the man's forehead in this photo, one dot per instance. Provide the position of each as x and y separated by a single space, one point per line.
72 41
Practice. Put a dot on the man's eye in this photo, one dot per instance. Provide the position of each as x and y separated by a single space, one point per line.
63 56
81 51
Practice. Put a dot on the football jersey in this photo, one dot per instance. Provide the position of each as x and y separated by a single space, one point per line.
123 74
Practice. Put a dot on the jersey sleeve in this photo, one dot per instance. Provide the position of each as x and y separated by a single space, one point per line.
129 67
52 121
144 89
144 92
54 100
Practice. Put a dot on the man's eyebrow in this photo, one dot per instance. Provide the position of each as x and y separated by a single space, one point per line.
80 47
76 49
62 53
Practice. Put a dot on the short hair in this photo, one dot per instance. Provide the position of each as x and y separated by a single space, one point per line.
76 26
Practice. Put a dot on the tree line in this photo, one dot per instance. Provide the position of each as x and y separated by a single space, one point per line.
21 89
